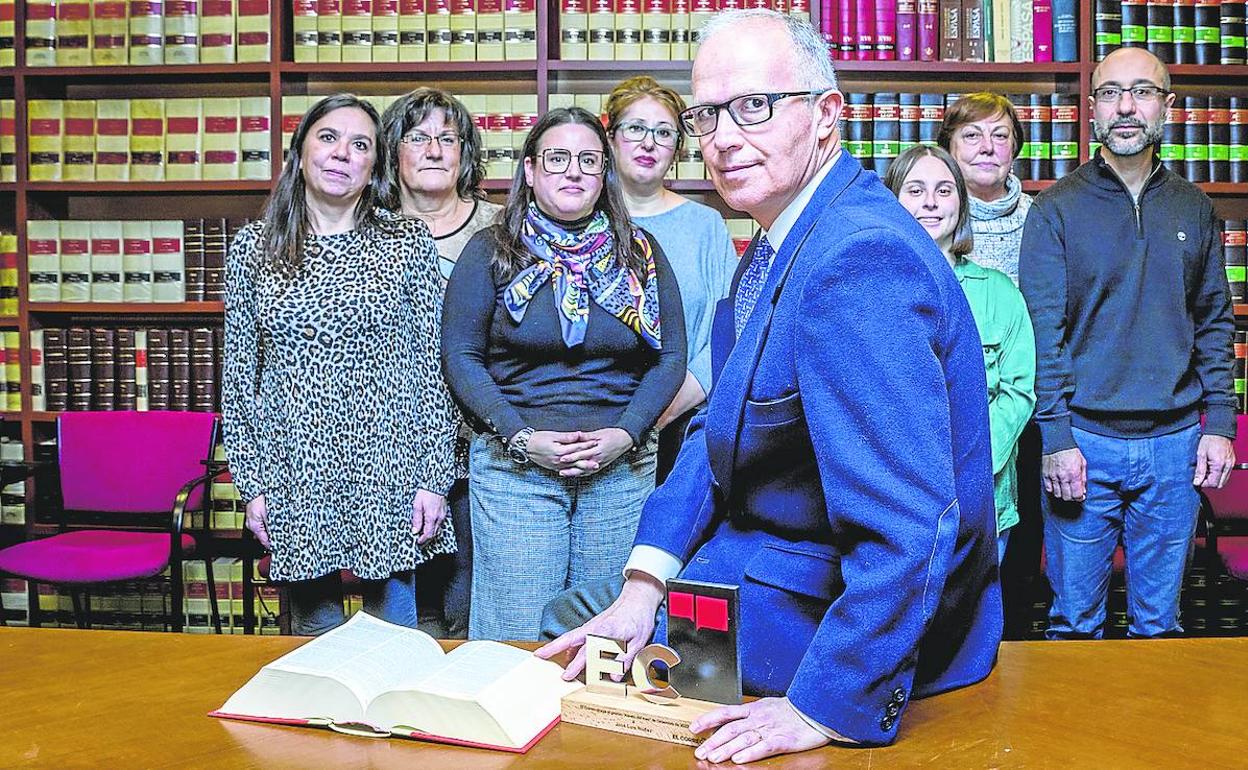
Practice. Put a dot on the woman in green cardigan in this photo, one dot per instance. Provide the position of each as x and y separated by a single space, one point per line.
929 185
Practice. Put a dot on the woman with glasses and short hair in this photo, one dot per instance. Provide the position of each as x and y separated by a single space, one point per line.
645 138
435 176
563 342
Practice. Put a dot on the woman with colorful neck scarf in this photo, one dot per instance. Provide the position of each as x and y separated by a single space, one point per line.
563 341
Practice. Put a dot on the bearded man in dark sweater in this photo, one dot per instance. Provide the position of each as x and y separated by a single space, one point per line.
1122 270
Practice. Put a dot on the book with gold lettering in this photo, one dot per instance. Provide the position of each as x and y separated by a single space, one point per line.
75 247
385 30
8 33
108 33
43 260
147 32
147 140
40 33
106 261
216 32
112 140
254 140
45 118
490 30
438 33
183 139
8 274
252 28
79 141
221 138
181 29
136 261
519 29
73 33
293 107
168 264
412 31
463 21
8 140
329 30
303 25
357 30
375 678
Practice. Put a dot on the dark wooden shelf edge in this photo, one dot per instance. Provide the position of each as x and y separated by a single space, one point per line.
8 186
1240 311
1224 188
526 67
921 67
1208 70
163 70
127 308
227 186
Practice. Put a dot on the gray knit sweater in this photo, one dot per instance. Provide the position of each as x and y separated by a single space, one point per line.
998 228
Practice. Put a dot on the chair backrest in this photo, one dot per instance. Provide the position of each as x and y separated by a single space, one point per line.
132 462
1231 501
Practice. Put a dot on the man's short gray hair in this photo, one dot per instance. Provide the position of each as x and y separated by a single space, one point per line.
814 59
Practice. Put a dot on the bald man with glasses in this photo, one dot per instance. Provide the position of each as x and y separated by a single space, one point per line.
840 473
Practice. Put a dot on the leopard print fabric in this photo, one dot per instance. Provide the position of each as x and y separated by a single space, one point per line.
334 404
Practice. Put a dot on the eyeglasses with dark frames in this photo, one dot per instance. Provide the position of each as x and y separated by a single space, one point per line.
421 139
745 110
636 131
1140 93
556 160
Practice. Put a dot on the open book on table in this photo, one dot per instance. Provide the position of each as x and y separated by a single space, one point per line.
375 678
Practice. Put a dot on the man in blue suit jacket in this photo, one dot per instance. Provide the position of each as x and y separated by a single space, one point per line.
840 473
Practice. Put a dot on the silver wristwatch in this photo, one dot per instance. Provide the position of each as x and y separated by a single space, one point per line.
518 446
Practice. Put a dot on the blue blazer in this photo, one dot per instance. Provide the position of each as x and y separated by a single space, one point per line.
841 472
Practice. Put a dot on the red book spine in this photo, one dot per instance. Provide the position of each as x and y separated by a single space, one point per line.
906 39
865 30
828 26
929 29
846 28
1042 29
885 30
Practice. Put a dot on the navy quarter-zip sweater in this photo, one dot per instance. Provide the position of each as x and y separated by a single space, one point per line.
1130 305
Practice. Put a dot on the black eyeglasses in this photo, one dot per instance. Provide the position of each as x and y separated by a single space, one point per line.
556 160
633 131
1140 93
746 110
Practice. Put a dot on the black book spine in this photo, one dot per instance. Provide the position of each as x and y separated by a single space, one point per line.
180 370
1171 151
908 112
1022 162
1239 139
858 114
1064 120
1041 137
1236 257
931 115
1160 40
78 354
218 364
158 369
1241 358
203 380
1219 139
1184 34
1208 14
1196 139
193 258
103 370
56 369
1107 24
127 388
1232 29
1134 23
886 130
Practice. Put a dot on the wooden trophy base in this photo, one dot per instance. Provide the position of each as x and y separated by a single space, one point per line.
634 715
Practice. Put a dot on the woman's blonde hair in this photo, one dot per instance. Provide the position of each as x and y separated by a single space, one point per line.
633 90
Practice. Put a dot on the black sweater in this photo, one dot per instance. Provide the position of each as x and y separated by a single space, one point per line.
508 376
1130 306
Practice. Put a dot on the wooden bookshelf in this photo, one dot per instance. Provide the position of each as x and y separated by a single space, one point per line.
125 308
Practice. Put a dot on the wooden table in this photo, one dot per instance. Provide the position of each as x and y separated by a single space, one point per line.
122 699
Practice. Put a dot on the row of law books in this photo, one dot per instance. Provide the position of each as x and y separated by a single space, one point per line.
84 33
8 275
1177 31
227 574
8 140
646 30
149 140
1235 255
126 369
414 30
878 127
1001 31
166 260
1206 138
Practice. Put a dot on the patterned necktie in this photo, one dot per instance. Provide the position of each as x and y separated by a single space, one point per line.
752 283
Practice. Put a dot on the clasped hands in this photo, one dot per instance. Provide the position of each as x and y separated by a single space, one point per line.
746 733
578 453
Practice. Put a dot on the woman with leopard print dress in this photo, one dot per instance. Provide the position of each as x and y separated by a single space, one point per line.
339 429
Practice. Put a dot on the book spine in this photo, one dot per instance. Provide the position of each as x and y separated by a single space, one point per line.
1042 30
1022 162
216 32
1219 139
12 371
202 375
79 141
413 42
847 33
601 20
1065 134
193 258
303 27
858 117
43 260
216 246
253 139
438 30
106 262
1065 30
656 30
147 140
1196 138
8 33
181 31
293 108
56 369
574 29
1001 43
1208 31
463 26
908 113
112 140
221 138
357 30
1184 32
45 132
78 357
168 265
1134 23
183 138
864 30
1235 257
147 32
8 275
627 30
158 386
252 31
1041 137
1171 149
73 33
1107 24
127 390
885 130
40 33
973 31
8 140
180 370
1232 29
103 370
520 29
1159 37
490 42
885 13
907 30
75 250
109 38
136 261
1239 139
1021 34
329 31
931 115
951 30
38 372
140 371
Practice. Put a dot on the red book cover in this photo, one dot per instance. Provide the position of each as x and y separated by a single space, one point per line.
847 29
828 26
865 30
929 29
907 40
885 30
1042 29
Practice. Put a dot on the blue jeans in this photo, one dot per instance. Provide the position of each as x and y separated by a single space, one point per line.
316 604
1139 492
535 533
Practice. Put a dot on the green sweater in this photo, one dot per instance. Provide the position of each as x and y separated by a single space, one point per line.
1010 362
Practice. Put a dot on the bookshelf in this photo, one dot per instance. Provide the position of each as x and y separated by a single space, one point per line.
544 75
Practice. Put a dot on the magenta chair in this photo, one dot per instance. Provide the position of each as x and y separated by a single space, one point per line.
127 480
1224 515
